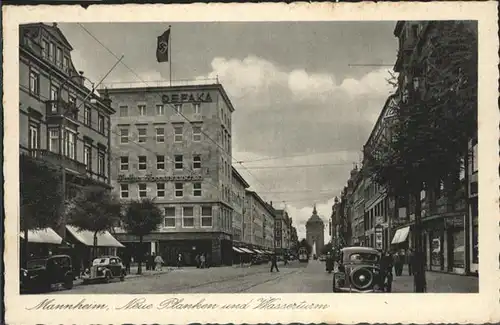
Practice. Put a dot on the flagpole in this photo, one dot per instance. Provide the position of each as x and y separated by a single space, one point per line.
170 54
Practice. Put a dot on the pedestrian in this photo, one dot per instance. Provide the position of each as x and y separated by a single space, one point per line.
179 260
397 263
126 260
152 261
386 264
274 263
202 261
148 262
197 260
159 263
411 261
285 259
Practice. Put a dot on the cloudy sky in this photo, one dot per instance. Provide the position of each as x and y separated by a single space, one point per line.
303 111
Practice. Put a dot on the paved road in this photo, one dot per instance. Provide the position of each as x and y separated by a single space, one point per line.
293 278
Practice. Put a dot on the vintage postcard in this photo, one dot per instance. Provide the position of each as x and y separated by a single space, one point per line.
251 163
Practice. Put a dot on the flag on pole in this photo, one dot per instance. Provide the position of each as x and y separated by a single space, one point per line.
162 46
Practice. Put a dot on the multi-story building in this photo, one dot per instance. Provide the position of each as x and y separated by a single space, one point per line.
61 122
281 231
258 222
378 205
239 185
352 210
449 206
294 239
173 144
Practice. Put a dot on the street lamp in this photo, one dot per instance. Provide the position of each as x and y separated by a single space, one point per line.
62 138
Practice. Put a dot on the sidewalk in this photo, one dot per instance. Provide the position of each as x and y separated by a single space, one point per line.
438 282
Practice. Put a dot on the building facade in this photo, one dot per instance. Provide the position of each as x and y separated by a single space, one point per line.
61 122
258 222
173 144
239 186
282 231
449 208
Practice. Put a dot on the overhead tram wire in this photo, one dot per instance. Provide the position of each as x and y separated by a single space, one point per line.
171 106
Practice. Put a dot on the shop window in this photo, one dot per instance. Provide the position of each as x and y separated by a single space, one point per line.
458 248
170 217
124 163
206 217
124 191
142 163
187 217
143 190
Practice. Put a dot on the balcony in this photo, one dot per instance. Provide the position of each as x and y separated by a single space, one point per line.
61 108
56 159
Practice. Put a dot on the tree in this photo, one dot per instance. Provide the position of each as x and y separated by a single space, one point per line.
140 219
327 248
94 209
41 197
304 243
433 125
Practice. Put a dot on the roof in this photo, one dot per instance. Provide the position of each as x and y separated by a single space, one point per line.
261 201
314 218
52 29
240 178
360 249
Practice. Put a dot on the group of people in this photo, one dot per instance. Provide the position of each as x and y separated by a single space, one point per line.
395 260
201 261
154 262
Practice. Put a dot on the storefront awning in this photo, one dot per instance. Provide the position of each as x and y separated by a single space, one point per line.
43 236
86 237
401 235
258 251
246 250
237 250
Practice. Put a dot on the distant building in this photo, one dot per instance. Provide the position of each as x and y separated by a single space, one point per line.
258 223
238 190
173 144
282 231
315 231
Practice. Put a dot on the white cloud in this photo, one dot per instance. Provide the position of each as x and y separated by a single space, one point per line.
256 76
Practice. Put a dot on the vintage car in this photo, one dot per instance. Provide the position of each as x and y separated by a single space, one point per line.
43 273
358 271
105 268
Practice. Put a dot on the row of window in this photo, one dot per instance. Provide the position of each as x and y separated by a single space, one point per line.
34 89
179 190
54 54
160 109
226 140
142 134
188 217
160 162
64 142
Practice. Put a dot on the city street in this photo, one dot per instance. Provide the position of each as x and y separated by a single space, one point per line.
293 278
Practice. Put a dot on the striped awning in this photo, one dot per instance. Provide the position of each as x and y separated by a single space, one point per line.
246 250
236 249
86 237
43 236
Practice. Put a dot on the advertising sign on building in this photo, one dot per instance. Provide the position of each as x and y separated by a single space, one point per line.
151 178
199 97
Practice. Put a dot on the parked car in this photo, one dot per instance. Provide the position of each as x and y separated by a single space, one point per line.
358 271
43 273
105 268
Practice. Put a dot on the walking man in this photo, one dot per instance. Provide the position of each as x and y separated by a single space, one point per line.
202 260
159 263
274 263
179 260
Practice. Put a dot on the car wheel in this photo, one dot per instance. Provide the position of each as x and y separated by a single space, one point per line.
68 284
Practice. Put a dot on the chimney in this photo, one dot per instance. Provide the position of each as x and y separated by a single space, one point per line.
54 25
271 203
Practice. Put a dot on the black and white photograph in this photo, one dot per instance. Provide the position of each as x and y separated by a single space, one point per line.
258 157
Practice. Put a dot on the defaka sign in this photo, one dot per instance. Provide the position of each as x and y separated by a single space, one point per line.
151 178
178 98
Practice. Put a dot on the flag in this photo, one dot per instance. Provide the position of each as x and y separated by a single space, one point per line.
162 46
